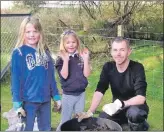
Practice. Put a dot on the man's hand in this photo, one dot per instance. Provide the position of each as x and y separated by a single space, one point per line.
84 115
21 111
114 107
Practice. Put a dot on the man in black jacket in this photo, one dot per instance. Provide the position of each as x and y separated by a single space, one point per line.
128 85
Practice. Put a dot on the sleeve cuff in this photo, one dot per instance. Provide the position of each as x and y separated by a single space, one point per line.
17 105
56 97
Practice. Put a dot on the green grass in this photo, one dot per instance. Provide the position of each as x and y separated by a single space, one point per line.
153 63
5 58
152 59
155 117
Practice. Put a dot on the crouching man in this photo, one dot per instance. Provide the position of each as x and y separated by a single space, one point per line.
128 86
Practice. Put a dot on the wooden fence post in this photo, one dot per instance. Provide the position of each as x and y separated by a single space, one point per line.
120 30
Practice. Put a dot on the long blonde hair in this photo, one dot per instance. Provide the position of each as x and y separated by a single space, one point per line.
41 46
64 35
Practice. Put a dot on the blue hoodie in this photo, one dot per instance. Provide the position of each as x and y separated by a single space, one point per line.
32 76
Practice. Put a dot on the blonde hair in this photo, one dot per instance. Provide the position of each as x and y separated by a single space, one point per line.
64 35
41 46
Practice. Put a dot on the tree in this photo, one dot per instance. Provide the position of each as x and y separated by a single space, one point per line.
34 5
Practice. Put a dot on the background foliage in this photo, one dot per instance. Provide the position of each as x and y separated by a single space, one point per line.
95 23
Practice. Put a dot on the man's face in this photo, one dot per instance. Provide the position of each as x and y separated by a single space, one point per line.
120 52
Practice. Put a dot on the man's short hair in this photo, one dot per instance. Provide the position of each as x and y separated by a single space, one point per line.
120 39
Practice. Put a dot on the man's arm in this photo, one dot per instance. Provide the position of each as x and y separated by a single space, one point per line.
97 97
95 103
117 105
102 86
137 100
140 86
140 92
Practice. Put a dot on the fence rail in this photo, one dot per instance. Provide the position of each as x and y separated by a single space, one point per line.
9 29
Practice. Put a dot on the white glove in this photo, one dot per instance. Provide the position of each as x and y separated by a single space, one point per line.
21 111
114 107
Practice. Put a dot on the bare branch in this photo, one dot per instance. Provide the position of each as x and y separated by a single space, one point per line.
88 10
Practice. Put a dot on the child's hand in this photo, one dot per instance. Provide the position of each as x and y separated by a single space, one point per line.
57 106
85 54
64 55
21 111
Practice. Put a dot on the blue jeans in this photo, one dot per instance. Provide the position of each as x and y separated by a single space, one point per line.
43 113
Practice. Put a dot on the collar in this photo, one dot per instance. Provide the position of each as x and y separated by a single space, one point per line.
73 55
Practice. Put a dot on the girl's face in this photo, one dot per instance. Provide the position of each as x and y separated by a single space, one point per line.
31 36
70 44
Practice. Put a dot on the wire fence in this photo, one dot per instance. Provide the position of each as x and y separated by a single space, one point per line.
144 35
147 46
99 46
147 52
10 24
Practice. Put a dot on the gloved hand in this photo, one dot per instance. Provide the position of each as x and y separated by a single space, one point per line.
114 107
21 111
84 115
57 106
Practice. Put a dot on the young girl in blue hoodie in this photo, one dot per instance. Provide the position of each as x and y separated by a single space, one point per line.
32 75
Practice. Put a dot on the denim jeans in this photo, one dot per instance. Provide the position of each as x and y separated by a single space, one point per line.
43 113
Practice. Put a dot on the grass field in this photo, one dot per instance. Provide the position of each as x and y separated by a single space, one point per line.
153 62
5 58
